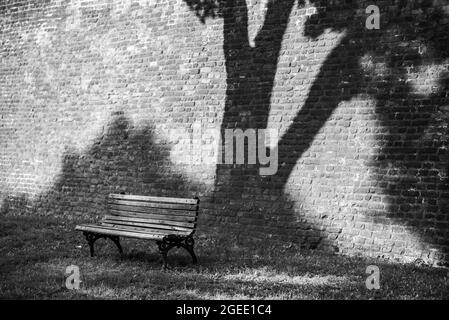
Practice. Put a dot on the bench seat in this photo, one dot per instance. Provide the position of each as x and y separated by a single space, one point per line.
171 222
118 231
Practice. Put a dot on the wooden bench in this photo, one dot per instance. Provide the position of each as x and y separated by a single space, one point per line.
171 222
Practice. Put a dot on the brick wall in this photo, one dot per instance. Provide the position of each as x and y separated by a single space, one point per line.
111 96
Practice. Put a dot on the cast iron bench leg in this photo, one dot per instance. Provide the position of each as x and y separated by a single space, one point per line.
92 237
170 242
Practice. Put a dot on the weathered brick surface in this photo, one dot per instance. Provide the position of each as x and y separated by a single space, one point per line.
106 96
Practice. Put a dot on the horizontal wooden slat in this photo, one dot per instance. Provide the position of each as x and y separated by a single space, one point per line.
145 230
119 232
148 227
135 228
143 223
153 199
179 218
173 206
188 225
180 213
140 229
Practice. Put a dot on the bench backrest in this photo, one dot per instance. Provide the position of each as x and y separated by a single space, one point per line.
153 214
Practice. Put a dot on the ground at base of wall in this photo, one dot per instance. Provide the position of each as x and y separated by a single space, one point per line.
36 251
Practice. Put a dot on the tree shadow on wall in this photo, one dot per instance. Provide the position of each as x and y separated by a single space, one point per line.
411 168
122 159
248 205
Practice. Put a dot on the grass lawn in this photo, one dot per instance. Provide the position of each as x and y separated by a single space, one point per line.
35 252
